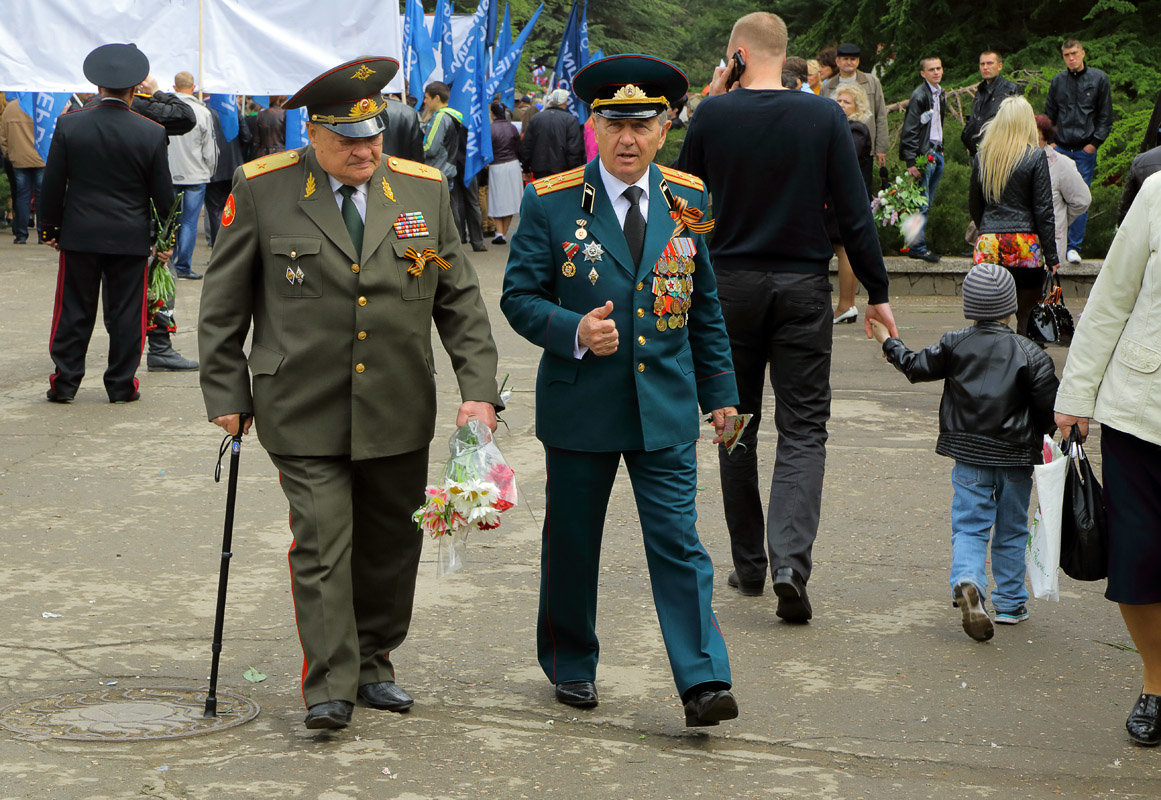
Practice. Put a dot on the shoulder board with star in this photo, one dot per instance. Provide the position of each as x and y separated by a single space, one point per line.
561 180
682 178
405 167
271 163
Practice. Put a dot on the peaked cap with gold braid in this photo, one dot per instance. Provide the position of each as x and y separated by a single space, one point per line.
630 86
347 99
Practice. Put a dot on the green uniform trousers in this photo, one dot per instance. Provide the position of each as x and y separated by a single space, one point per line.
352 565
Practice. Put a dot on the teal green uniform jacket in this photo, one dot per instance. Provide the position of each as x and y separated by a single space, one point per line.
645 395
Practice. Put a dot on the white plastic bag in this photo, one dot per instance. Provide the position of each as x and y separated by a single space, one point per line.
1042 555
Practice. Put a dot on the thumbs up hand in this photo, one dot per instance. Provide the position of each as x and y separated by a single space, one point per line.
597 332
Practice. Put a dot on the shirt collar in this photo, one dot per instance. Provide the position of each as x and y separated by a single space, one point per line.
615 187
336 184
935 90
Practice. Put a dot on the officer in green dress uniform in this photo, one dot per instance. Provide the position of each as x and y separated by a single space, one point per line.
609 273
340 260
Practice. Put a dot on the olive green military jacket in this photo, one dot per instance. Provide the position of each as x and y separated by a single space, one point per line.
341 359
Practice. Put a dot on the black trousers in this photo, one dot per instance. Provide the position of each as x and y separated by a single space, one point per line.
465 202
119 280
215 202
784 320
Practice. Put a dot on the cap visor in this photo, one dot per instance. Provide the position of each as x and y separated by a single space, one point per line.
611 112
357 130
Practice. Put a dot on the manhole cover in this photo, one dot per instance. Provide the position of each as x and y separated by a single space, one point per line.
133 714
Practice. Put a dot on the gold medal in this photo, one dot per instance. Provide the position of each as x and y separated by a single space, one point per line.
672 322
593 276
569 269
681 321
581 234
661 324
659 306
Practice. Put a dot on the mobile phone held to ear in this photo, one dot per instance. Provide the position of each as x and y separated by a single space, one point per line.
737 67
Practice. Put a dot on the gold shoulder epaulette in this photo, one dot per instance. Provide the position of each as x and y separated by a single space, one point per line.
561 180
271 163
405 167
682 178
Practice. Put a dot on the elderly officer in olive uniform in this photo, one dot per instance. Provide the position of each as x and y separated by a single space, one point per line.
341 261
609 274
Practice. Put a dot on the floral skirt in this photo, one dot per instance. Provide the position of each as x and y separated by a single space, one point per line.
1012 250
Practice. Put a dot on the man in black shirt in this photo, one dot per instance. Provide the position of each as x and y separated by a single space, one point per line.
990 92
772 159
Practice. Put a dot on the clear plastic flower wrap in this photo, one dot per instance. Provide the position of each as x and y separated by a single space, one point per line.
475 486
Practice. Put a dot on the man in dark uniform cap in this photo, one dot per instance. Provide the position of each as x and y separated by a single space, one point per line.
341 260
616 248
104 166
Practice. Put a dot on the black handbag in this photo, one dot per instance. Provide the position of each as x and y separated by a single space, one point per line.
1084 537
1050 320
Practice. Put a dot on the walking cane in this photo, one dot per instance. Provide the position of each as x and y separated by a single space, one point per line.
234 443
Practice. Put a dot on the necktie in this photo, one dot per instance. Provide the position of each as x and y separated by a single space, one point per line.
634 223
351 218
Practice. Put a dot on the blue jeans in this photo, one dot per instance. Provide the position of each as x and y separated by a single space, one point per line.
187 235
1085 165
931 185
27 187
987 497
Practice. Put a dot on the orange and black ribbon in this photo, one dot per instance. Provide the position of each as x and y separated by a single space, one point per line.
687 217
421 260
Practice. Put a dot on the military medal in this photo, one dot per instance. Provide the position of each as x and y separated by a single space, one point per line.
298 274
594 251
410 225
672 284
569 269
593 276
581 233
661 323
570 251
290 275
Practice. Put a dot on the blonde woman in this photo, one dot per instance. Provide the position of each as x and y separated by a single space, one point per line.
857 106
1010 200
813 78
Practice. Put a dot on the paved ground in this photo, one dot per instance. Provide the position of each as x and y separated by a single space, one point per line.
109 518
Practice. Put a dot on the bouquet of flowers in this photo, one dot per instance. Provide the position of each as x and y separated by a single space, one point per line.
902 203
161 286
475 486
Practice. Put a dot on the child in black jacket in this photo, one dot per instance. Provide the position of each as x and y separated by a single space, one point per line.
999 388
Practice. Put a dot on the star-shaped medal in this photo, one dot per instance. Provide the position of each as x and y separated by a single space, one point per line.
594 251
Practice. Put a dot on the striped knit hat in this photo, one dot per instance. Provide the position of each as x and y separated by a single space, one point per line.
989 293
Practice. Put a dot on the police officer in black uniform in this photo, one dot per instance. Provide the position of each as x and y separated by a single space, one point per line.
104 166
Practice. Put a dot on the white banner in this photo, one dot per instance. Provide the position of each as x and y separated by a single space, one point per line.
247 46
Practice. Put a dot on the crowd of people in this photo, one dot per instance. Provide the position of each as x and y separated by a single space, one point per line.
646 322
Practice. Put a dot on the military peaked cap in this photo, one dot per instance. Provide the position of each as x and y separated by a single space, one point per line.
348 98
116 66
630 86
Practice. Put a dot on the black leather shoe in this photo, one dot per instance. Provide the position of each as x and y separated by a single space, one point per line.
331 715
710 708
386 696
793 604
924 255
1144 722
578 694
53 397
749 588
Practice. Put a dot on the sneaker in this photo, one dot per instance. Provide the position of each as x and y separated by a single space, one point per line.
924 255
1018 614
976 622
1073 257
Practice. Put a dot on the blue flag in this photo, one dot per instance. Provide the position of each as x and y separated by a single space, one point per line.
504 39
46 110
469 99
571 57
441 32
504 73
226 107
492 6
296 128
420 52
480 23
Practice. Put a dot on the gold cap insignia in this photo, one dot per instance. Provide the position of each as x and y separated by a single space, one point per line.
628 94
363 72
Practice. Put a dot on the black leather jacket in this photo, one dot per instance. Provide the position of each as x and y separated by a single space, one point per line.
915 139
551 142
164 108
1080 105
984 106
998 393
1024 207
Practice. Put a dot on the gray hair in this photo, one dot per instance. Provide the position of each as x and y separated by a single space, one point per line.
557 97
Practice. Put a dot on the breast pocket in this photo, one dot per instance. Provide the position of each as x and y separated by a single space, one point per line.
297 266
421 286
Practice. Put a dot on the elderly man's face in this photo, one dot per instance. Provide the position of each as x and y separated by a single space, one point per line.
847 65
627 146
350 160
